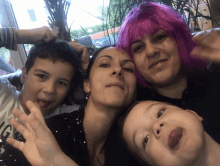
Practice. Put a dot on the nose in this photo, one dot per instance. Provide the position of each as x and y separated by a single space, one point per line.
117 71
50 87
158 127
151 49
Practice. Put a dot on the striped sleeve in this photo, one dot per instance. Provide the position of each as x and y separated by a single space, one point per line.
8 38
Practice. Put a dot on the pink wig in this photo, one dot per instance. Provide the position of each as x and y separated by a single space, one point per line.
143 20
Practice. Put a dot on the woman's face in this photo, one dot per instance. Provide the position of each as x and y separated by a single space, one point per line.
164 135
112 79
157 58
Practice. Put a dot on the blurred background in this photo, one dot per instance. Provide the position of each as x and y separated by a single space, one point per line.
93 23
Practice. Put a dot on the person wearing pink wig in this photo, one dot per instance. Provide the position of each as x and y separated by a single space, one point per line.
170 64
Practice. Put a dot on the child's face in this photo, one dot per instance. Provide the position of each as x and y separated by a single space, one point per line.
46 84
164 135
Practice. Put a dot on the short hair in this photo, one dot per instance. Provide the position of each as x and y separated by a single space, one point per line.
60 50
143 20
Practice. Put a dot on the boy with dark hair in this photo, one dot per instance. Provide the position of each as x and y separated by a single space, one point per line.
48 77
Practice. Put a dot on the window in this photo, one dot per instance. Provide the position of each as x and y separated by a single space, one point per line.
9 60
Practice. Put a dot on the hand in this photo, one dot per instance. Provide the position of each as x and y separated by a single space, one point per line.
85 55
40 148
36 35
208 45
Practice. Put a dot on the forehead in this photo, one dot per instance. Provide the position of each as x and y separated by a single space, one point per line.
114 53
57 67
47 61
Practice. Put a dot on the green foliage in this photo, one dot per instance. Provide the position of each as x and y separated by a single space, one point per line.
84 31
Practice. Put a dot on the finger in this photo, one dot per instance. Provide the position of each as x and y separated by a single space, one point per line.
206 54
48 36
39 128
17 144
208 39
22 117
35 110
20 128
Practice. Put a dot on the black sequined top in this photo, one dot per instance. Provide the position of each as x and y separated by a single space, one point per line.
69 133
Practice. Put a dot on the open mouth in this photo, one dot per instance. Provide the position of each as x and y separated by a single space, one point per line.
175 137
43 103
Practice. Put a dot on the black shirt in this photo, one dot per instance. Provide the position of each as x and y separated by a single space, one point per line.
69 132
202 95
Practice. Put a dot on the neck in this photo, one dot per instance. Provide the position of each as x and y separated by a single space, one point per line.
175 89
97 122
211 154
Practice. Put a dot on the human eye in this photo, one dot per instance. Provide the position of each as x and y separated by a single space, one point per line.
145 141
63 83
41 76
130 70
137 48
161 37
160 112
104 65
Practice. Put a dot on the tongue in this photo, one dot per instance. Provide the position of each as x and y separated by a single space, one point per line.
43 103
175 137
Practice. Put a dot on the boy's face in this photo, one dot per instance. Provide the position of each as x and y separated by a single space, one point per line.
46 84
164 135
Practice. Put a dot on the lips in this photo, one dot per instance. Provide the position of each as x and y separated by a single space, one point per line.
44 103
175 137
155 63
115 84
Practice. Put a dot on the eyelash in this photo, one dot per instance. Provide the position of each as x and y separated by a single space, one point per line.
160 112
125 68
41 76
104 65
45 77
160 37
145 140
137 48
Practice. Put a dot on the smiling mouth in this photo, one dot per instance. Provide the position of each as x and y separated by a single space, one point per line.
157 62
115 85
175 137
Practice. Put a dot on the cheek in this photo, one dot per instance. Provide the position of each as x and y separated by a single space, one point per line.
139 62
62 93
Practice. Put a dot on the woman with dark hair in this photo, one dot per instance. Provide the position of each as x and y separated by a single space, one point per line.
83 135
169 65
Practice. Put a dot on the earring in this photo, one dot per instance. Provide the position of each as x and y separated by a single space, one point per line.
87 96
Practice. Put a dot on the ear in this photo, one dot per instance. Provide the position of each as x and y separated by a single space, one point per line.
193 112
23 75
86 86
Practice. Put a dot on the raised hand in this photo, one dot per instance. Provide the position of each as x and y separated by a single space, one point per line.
40 148
208 45
84 60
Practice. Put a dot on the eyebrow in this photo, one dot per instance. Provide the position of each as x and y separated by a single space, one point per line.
107 56
123 61
150 106
42 71
151 34
135 133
